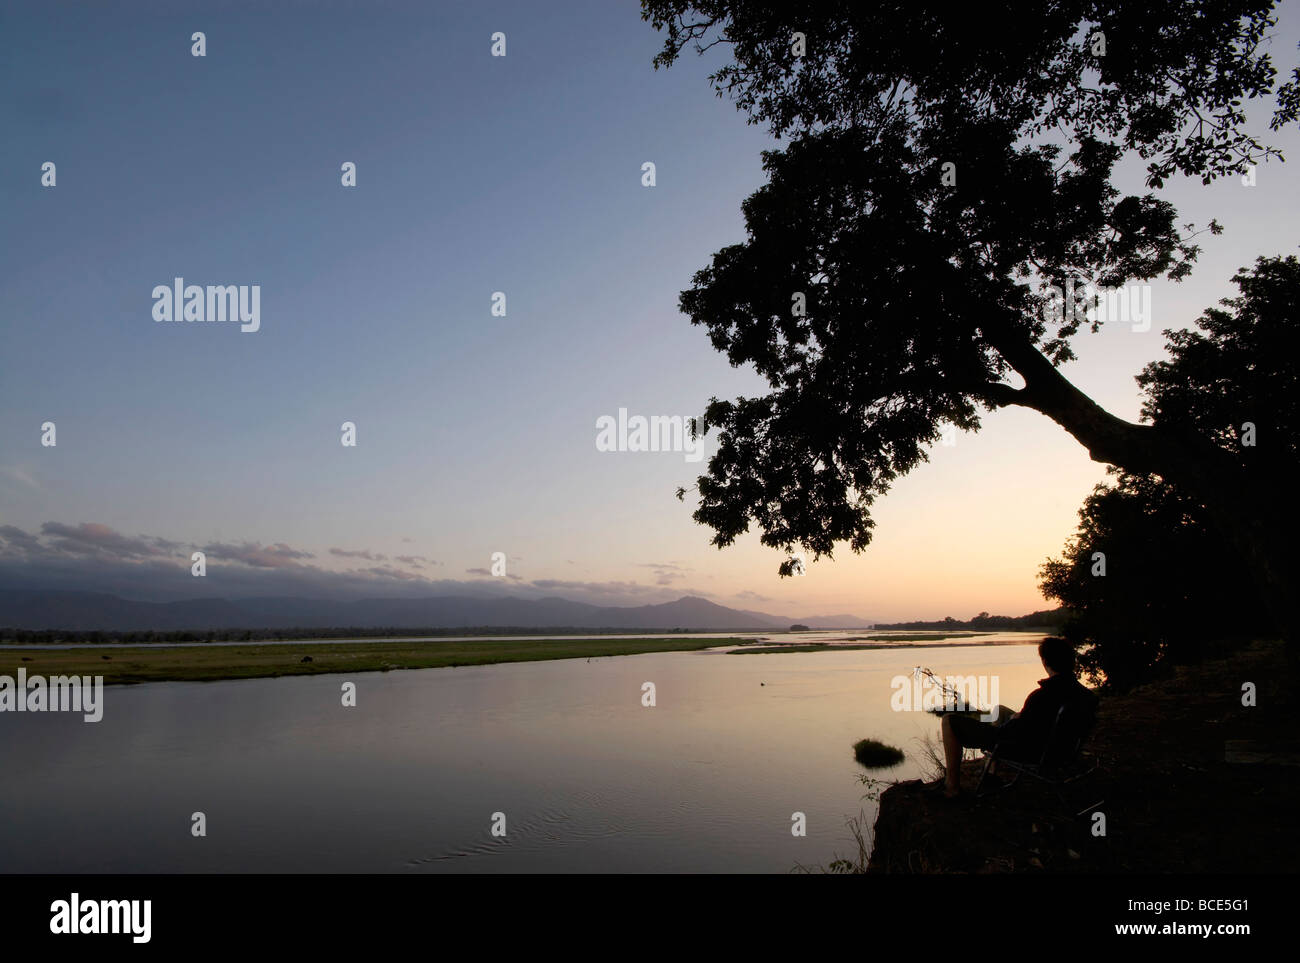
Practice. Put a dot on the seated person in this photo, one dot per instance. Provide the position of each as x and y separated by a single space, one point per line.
1022 737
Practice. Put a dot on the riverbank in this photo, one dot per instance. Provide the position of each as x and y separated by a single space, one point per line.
128 664
757 648
1188 780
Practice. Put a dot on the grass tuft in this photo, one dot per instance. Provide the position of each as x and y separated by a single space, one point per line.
876 755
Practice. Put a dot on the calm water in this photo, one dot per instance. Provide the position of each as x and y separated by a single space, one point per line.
588 779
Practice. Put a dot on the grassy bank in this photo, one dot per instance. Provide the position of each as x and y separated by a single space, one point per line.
904 642
125 664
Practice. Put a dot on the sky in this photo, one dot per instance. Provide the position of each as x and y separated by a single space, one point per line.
475 433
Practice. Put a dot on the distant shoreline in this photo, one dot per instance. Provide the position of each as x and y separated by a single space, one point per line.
720 637
11 638
214 663
855 647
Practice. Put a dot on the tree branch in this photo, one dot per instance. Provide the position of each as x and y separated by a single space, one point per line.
999 395
1110 440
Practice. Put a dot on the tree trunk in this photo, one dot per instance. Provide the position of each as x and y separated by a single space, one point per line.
1248 511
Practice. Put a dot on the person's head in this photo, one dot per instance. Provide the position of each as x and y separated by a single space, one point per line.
1057 655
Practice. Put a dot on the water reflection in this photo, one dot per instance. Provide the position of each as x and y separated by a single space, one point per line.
408 781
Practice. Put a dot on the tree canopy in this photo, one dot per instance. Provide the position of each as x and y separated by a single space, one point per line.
1169 591
943 164
1238 367
1171 585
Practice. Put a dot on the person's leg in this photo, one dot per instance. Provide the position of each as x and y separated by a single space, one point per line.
951 757
960 732
1004 714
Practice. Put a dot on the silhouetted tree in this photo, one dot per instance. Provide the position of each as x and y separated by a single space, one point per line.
1235 379
944 162
1149 583
1173 584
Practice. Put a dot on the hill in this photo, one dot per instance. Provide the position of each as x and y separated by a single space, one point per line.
94 611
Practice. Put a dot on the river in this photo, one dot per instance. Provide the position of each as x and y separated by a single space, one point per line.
586 778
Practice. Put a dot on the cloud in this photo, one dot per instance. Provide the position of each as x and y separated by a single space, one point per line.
665 572
22 541
483 571
93 557
419 561
20 475
387 571
257 555
369 557
90 538
752 596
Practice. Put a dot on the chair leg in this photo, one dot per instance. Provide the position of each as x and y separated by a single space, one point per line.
1083 812
1061 796
988 761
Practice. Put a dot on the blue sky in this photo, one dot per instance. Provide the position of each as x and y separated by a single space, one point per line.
476 433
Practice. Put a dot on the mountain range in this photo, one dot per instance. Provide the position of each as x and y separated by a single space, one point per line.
95 611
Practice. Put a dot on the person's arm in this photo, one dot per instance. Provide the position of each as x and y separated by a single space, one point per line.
1022 721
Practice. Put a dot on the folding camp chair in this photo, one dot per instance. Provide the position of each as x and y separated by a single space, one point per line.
1057 766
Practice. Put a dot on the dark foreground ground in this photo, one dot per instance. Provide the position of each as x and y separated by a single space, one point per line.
1189 780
